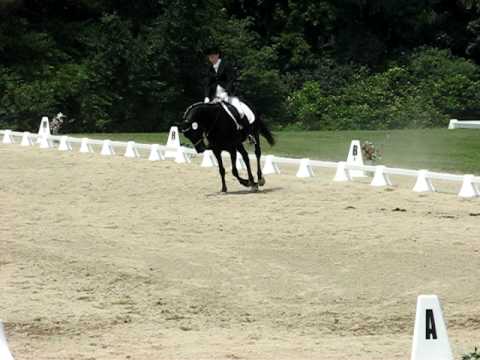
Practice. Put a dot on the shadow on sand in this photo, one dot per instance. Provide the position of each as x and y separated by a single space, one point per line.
246 192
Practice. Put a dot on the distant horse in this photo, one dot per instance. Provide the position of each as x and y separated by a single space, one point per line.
211 121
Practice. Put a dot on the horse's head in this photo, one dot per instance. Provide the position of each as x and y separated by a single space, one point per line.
193 127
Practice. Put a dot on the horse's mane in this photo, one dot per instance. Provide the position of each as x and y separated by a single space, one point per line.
195 106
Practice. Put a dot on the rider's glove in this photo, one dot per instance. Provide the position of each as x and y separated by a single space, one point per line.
206 100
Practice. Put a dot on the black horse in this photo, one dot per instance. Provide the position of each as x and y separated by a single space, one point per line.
210 121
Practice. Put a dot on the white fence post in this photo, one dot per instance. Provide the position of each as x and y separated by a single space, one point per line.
155 153
7 137
131 151
270 166
64 144
305 169
380 178
208 159
4 350
468 189
342 174
423 184
85 146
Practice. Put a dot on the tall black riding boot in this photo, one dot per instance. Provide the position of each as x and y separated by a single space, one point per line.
247 129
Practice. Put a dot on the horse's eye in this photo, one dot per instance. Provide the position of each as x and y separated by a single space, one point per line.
194 126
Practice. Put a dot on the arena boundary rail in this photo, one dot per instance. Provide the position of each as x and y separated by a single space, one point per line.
469 182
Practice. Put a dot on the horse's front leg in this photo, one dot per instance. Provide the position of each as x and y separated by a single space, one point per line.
258 154
233 158
221 169
244 154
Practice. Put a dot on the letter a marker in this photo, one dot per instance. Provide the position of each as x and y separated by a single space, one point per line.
430 339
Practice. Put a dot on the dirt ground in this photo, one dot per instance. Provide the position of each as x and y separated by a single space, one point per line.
117 258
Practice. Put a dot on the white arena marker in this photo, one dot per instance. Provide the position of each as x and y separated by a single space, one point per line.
155 153
181 157
305 169
452 124
131 151
355 157
430 338
270 167
45 142
240 164
380 178
173 143
4 351
107 148
26 139
208 159
64 144
423 184
469 189
85 147
342 174
43 129
7 137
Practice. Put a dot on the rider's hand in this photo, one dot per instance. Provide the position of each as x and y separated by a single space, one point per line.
224 97
206 100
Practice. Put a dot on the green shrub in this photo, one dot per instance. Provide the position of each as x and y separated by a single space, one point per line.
475 355
425 91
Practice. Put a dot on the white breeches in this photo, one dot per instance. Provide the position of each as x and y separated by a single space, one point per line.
242 108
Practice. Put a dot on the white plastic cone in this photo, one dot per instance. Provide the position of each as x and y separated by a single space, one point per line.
43 129
430 338
208 159
45 143
85 147
7 137
380 178
305 169
131 151
155 153
173 143
5 353
342 174
469 189
423 183
107 148
240 164
26 139
355 157
64 144
452 124
181 157
270 166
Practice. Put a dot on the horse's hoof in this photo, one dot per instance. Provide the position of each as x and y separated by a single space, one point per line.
245 183
254 188
261 181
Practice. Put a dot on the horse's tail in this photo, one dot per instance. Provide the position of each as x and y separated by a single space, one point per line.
264 131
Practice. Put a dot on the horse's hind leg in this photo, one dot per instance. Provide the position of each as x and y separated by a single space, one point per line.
221 169
258 154
233 157
244 154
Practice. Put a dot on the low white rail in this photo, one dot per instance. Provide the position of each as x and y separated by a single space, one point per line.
469 183
463 124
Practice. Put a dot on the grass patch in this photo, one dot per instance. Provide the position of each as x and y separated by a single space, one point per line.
456 151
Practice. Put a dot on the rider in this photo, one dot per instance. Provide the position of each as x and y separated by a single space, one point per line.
219 86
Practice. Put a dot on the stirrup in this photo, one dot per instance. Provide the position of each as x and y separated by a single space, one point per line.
251 139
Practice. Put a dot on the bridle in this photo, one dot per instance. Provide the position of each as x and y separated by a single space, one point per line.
207 131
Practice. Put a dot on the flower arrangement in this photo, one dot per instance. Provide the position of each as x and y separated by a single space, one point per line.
370 152
56 123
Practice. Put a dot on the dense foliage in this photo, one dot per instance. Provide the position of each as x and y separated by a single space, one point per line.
115 65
